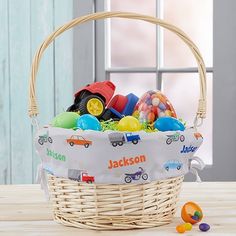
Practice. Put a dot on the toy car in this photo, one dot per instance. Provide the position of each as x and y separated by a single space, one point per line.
78 140
173 165
93 98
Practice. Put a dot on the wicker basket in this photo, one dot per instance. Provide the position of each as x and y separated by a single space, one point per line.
114 206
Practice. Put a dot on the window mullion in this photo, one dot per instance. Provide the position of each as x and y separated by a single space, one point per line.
159 45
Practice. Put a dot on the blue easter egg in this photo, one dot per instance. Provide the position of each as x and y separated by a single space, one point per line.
88 122
168 124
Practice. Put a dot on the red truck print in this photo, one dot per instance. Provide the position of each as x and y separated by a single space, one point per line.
86 178
80 175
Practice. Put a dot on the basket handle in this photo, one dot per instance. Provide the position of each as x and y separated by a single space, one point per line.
201 112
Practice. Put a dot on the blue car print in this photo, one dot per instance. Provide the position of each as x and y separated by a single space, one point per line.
173 165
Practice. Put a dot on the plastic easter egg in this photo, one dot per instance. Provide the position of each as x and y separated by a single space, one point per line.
188 226
168 124
198 214
180 229
204 227
152 102
188 213
129 123
88 122
66 120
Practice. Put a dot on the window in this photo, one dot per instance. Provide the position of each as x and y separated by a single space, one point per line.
148 57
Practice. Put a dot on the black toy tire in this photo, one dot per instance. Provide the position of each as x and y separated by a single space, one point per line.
71 144
83 105
86 145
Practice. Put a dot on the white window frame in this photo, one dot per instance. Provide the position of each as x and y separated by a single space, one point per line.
93 45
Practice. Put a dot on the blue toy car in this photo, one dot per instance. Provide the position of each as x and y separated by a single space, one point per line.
173 165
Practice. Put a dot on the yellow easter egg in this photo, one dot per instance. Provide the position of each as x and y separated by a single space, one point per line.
129 123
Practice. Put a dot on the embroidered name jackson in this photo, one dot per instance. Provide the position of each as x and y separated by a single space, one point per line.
126 161
188 149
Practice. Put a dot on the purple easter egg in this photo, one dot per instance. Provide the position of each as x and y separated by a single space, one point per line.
204 227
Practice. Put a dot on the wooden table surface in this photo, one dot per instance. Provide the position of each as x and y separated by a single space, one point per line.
24 211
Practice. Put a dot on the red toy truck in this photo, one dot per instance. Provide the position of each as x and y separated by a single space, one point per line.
95 98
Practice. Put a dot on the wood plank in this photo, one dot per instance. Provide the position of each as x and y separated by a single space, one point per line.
63 12
5 151
19 44
24 211
50 228
8 194
42 24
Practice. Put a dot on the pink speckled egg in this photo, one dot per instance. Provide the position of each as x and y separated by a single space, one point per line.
152 105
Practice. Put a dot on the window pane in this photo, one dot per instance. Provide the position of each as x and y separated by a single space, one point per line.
137 83
195 18
132 42
183 92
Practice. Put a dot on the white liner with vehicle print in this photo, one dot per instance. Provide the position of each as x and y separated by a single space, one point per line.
116 157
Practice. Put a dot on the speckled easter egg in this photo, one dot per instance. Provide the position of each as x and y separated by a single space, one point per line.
152 105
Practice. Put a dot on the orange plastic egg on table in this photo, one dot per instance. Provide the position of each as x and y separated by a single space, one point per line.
180 229
191 213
